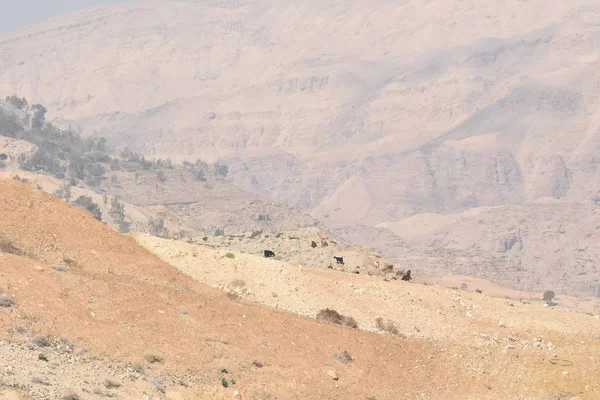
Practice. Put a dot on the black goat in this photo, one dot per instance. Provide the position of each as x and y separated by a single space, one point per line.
269 253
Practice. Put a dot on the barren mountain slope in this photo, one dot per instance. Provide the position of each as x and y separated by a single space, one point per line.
359 112
72 277
494 329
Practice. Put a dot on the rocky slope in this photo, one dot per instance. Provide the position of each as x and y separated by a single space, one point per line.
150 331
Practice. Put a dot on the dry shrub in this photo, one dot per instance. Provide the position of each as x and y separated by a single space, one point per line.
230 255
40 340
6 301
343 356
387 327
335 317
154 358
237 283
110 384
7 245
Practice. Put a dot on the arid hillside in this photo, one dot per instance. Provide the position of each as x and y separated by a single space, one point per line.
86 311
361 113
130 192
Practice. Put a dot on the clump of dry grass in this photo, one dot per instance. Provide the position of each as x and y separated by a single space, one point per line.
110 384
343 356
335 317
387 327
40 340
7 245
6 301
154 358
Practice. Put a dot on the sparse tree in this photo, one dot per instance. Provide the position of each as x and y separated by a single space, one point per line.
39 116
549 296
17 102
64 192
221 170
200 175
88 204
157 227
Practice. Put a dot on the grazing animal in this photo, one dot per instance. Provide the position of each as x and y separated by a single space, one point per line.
313 244
407 276
269 253
339 260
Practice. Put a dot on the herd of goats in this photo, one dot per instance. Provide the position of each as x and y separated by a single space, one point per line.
338 260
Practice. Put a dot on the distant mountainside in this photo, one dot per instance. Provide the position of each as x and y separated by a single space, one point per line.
128 191
360 113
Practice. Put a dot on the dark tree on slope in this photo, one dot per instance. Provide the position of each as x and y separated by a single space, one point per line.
39 116
221 171
117 212
549 296
157 227
88 204
17 102
64 192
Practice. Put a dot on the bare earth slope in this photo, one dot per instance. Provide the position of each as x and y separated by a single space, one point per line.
486 334
72 277
359 112
119 301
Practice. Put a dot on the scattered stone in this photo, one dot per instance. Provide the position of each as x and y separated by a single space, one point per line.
333 374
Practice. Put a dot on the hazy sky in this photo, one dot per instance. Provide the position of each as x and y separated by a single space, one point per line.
18 13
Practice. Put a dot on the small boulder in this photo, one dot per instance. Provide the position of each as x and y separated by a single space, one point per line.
332 373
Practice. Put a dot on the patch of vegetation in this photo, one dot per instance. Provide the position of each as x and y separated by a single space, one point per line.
19 179
156 226
224 371
43 357
86 203
40 340
220 170
387 327
154 358
7 245
159 384
219 232
464 286
343 356
549 296
478 291
255 234
233 296
335 317
40 381
6 301
258 364
139 368
64 192
230 255
110 384
224 382
117 213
